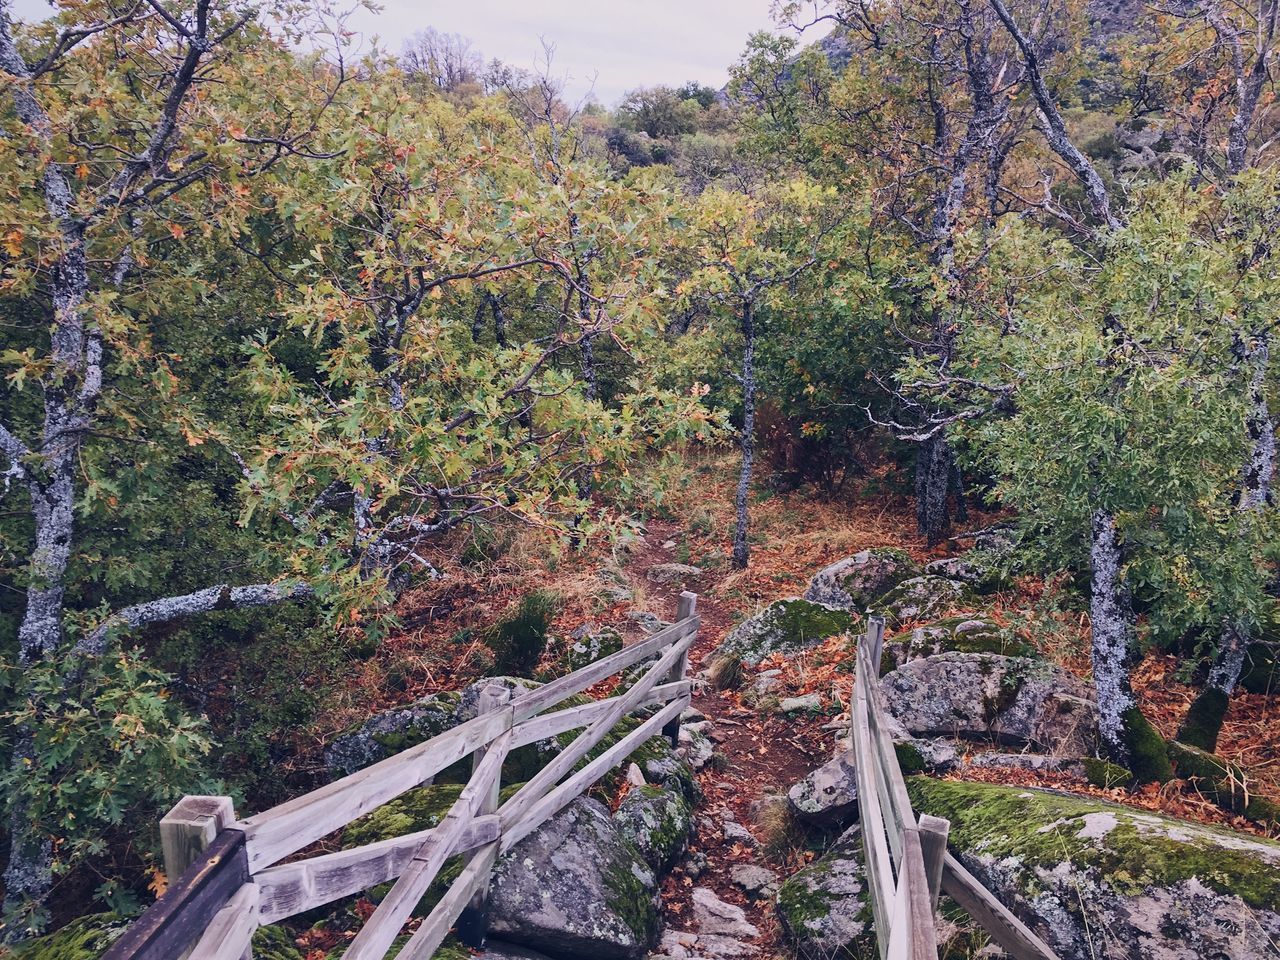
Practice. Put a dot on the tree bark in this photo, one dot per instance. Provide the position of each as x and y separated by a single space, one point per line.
1111 616
934 461
747 439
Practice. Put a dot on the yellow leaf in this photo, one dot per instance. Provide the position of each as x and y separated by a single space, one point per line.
13 242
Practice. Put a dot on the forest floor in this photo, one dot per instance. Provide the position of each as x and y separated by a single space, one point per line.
687 513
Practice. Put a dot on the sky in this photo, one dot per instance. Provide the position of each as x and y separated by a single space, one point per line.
603 47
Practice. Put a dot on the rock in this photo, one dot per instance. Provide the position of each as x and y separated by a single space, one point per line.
694 865
812 702
983 569
696 748
635 776
647 621
787 626
920 598
713 916
852 583
391 731
575 889
1097 880
756 882
735 832
658 821
685 945
672 572
960 634
83 939
664 767
825 909
952 568
1013 700
828 795
588 644
668 545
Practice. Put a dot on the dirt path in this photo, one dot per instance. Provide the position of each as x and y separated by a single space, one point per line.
758 757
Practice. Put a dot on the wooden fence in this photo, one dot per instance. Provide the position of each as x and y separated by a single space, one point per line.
230 877
907 862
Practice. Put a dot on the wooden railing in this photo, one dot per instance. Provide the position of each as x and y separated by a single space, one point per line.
907 862
230 879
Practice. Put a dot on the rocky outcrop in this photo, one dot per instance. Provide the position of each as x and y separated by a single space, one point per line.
825 909
954 634
828 795
787 626
391 731
854 582
576 889
588 644
1013 700
657 821
1103 882
920 598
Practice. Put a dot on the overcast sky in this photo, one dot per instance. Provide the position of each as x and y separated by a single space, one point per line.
618 44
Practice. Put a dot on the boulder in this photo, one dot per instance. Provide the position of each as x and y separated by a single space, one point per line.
828 795
391 731
1013 700
960 634
657 820
673 572
983 569
647 621
1099 881
825 909
786 626
575 889
588 644
497 950
809 703
755 881
714 917
852 583
688 945
920 598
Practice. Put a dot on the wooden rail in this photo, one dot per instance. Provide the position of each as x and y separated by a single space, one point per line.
230 879
907 862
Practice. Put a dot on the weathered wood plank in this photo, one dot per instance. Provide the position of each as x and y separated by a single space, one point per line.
547 696
562 721
292 888
686 609
187 830
516 826
933 849
231 931
380 930
473 922
921 932
564 761
1012 935
274 834
171 924
880 882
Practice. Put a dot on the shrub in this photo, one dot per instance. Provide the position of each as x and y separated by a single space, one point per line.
520 638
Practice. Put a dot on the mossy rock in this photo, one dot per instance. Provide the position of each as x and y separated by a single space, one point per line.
657 821
825 908
1158 886
1148 752
786 627
86 938
1224 782
854 582
963 634
451 949
391 731
920 598
1107 775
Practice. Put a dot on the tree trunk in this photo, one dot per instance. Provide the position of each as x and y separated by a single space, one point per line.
1203 722
747 440
1111 616
933 482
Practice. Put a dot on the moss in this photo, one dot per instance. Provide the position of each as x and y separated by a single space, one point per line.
1103 773
419 809
1263 811
451 949
802 622
275 943
1225 783
798 905
519 639
1148 754
1042 829
909 757
82 939
919 598
1203 722
631 900
656 820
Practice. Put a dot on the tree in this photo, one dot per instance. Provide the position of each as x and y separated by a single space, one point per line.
122 153
445 61
660 112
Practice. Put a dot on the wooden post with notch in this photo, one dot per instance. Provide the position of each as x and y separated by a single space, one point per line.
933 847
187 830
473 922
686 608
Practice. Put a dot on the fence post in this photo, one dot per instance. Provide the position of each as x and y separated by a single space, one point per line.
473 922
686 607
875 643
187 830
933 847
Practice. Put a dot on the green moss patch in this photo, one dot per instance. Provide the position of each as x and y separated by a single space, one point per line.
1148 754
1125 849
83 939
1103 773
